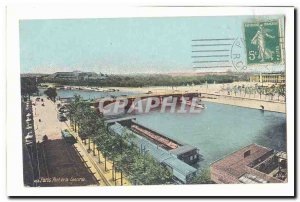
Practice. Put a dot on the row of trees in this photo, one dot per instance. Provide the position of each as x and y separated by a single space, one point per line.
139 167
51 93
28 86
147 80
268 91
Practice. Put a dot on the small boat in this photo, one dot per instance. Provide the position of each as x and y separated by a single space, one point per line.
202 106
196 105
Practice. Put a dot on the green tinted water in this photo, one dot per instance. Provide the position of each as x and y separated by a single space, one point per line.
221 129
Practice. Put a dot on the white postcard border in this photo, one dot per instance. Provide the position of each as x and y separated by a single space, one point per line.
15 185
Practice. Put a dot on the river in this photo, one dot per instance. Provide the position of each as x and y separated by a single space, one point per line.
216 131
87 94
221 129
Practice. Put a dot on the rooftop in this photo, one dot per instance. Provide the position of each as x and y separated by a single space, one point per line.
182 149
235 163
251 179
110 121
159 133
159 154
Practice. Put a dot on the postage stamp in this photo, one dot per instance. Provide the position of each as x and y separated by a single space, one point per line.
261 44
262 41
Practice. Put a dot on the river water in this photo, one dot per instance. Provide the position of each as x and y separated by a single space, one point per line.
216 131
87 94
221 129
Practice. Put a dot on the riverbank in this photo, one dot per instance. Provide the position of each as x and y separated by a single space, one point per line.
217 93
272 106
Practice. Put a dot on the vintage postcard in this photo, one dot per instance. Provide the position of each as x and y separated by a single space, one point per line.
174 100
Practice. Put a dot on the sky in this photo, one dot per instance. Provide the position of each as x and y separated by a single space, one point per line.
128 45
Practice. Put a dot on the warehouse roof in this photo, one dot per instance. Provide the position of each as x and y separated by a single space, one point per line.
235 163
159 154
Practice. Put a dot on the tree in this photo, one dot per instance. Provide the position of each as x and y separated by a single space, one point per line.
202 177
251 91
140 168
260 91
87 122
72 108
148 80
51 93
240 90
281 91
28 86
266 92
235 90
104 144
123 160
119 149
271 91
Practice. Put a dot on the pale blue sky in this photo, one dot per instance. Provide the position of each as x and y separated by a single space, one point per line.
126 45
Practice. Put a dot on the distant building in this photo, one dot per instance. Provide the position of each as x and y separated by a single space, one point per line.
90 76
251 164
268 78
77 75
64 75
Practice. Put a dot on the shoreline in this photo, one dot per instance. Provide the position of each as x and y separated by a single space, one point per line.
252 104
210 93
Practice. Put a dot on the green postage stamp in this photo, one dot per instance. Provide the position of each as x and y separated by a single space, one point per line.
262 41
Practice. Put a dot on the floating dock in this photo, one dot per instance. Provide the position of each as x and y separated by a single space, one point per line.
177 156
